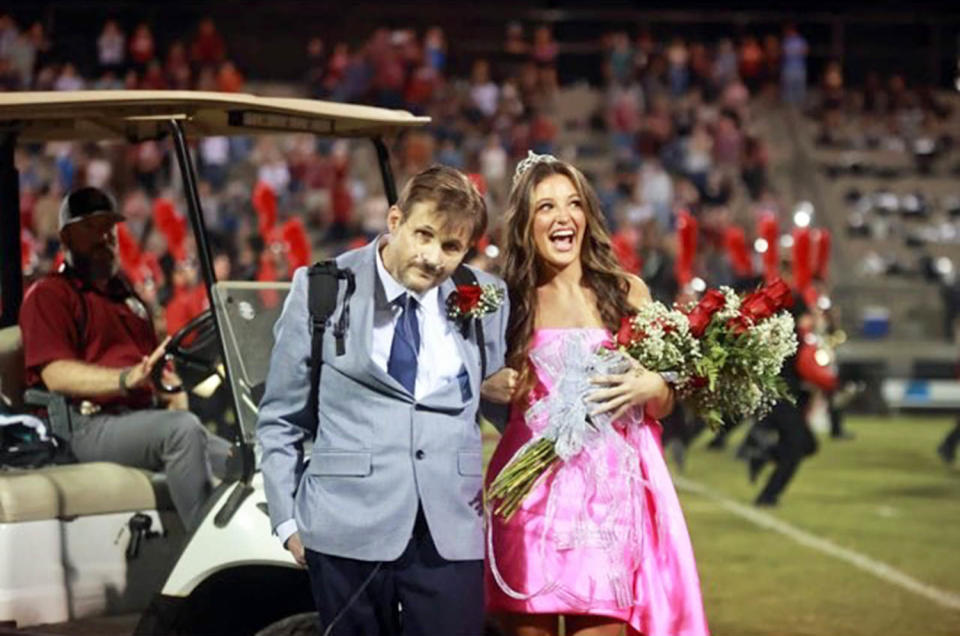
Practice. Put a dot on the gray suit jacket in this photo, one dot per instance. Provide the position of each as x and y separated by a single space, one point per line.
378 453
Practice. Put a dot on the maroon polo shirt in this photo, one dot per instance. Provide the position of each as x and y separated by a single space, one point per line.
63 319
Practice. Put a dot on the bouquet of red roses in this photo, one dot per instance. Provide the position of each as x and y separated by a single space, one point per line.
738 348
723 357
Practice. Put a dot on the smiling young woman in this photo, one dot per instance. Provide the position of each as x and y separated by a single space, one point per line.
600 539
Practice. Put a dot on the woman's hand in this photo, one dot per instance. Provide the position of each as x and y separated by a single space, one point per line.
637 387
500 386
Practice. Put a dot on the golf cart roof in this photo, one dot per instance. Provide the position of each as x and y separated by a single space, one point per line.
141 115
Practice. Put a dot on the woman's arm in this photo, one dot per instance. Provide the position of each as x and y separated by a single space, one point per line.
638 386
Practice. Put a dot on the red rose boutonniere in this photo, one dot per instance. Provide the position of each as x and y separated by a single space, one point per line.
474 301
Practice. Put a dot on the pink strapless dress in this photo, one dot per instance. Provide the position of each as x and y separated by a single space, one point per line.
604 533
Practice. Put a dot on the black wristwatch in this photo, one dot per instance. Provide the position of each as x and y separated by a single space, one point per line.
122 381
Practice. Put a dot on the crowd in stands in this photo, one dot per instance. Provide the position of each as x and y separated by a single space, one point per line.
881 113
29 60
680 167
891 150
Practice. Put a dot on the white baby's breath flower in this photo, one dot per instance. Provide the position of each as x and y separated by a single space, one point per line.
731 305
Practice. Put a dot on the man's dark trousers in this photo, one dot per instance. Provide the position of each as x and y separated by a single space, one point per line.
419 594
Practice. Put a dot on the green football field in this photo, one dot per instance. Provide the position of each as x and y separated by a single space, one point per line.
865 541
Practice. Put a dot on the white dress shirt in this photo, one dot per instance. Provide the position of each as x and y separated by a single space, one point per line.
438 360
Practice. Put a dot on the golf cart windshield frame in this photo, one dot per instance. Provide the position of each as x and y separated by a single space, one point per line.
144 115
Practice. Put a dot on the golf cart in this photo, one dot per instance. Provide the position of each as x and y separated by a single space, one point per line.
92 539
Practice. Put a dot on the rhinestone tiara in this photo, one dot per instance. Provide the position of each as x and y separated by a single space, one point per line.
530 161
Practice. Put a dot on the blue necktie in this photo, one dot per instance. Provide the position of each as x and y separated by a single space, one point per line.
402 364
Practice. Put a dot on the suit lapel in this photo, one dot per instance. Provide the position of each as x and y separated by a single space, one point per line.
467 348
450 395
368 296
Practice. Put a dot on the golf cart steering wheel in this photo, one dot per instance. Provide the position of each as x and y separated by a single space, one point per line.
194 351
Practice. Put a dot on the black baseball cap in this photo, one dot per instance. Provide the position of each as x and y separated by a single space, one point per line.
86 202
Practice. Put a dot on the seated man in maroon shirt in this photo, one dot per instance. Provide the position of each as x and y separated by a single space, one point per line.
87 335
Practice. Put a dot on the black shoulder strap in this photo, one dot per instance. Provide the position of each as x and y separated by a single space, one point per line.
323 285
463 275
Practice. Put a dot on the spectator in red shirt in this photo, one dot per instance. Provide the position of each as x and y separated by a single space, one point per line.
207 48
88 335
229 78
189 297
751 61
141 46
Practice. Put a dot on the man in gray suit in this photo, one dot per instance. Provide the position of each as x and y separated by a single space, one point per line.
387 513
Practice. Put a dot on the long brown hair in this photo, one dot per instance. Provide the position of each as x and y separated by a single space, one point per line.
602 273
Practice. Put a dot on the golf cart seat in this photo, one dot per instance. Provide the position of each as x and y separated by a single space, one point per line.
65 529
75 490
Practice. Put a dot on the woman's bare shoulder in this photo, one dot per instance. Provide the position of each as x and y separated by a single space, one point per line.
639 294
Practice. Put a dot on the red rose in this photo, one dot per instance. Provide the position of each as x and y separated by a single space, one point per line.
698 322
698 382
754 308
758 306
779 292
468 297
628 335
625 334
699 317
738 324
713 301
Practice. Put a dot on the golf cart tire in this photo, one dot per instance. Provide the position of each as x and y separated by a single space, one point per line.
298 625
241 601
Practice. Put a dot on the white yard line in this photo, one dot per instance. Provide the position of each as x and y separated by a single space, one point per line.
879 569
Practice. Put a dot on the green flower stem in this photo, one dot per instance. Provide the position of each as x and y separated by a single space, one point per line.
510 505
520 476
530 457
507 481
523 481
